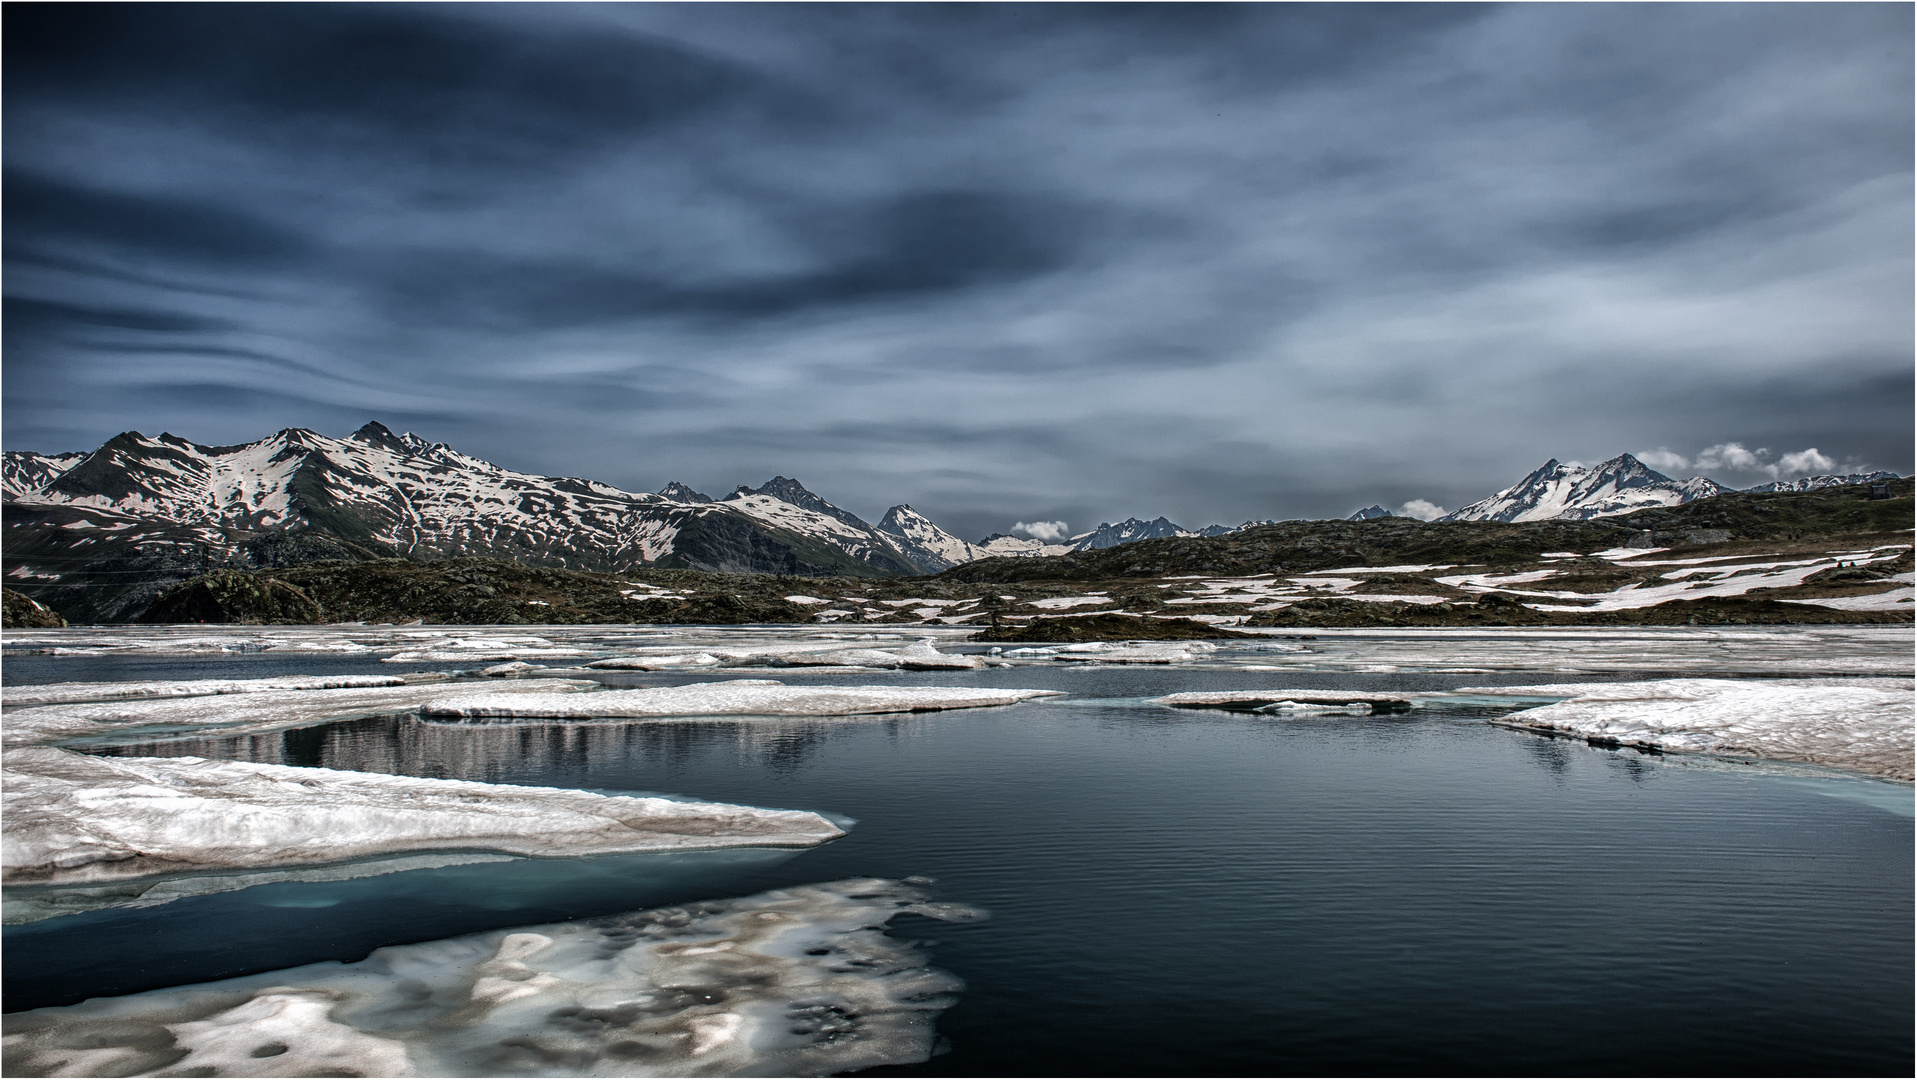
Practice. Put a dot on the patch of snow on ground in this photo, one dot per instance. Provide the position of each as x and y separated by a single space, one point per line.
1894 600
1058 602
1409 568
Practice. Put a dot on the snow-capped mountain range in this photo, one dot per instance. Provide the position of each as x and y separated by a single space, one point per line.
1812 483
161 508
139 501
1618 486
1557 490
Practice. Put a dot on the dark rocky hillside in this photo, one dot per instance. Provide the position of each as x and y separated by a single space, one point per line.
1304 546
1260 577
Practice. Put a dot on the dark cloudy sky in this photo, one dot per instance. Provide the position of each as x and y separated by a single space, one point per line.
1000 262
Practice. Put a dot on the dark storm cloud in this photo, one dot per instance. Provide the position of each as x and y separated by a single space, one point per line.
42 213
923 242
455 92
999 261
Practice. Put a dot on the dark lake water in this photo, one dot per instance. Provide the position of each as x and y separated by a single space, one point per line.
1178 892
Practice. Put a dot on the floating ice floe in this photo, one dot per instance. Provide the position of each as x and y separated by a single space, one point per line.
73 818
1865 725
921 656
1167 652
58 693
157 642
262 710
794 982
736 697
665 662
1286 701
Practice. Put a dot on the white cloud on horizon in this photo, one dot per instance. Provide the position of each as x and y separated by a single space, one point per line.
1734 457
1422 510
1803 463
1049 531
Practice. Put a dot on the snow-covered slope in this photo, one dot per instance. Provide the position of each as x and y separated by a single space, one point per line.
26 471
787 505
1557 490
929 547
393 492
1811 483
153 511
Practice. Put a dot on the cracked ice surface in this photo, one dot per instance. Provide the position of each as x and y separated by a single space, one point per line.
793 982
737 697
259 711
1864 725
72 818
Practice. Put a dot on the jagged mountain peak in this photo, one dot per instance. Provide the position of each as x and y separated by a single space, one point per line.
1370 513
923 543
790 491
678 492
783 488
1124 532
377 434
1557 490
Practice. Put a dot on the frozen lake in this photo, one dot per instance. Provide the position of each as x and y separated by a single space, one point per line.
1171 891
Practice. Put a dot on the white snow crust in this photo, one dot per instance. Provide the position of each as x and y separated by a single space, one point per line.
261 710
794 982
737 697
57 693
74 818
1865 725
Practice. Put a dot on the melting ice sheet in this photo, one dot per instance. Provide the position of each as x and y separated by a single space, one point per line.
793 982
1861 724
261 708
1857 650
64 693
737 697
72 818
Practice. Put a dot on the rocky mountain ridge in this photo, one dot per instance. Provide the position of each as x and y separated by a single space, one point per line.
1556 490
100 534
